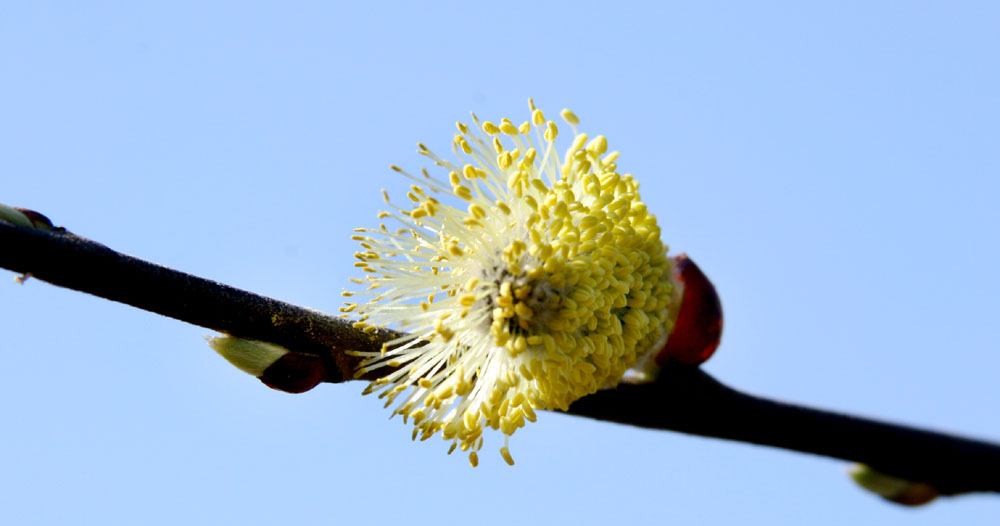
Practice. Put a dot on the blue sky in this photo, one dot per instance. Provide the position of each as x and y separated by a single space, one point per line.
833 167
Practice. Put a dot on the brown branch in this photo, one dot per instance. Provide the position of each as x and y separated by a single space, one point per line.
64 259
689 400
684 399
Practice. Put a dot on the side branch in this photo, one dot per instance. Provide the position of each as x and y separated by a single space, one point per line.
684 399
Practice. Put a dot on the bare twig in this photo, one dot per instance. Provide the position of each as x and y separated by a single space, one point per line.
67 260
689 400
684 399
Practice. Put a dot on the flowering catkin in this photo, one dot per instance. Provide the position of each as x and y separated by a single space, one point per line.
524 281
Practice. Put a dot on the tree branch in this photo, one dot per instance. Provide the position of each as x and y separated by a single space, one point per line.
689 400
683 399
67 260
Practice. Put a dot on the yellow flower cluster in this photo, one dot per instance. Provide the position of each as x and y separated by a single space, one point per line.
524 281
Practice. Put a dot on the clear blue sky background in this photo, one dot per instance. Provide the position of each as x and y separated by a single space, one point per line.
833 167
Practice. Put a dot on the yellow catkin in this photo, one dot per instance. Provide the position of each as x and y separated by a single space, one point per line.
552 258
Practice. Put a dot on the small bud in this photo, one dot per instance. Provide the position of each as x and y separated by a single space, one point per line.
38 220
698 327
25 217
892 488
12 215
250 356
275 366
294 373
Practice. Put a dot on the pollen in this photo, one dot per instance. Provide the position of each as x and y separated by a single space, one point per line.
525 278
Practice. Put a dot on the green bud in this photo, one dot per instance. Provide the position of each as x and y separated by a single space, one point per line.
12 215
250 356
891 488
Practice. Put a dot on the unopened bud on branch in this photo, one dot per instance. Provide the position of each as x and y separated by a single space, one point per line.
698 327
891 488
275 366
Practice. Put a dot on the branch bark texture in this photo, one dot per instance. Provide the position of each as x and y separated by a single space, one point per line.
684 398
